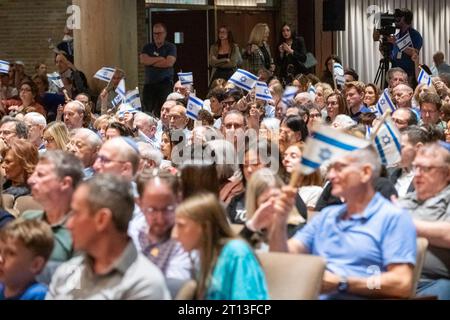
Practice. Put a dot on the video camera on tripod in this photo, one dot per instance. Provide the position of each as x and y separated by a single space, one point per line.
386 29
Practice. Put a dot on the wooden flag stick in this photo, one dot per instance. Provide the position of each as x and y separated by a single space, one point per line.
296 177
66 95
377 128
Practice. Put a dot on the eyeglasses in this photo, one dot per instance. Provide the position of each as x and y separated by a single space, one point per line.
425 169
152 211
105 160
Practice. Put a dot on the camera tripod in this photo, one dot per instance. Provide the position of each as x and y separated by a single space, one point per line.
381 76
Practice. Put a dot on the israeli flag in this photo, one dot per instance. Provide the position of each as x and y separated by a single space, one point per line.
387 143
327 144
56 79
404 42
193 107
424 78
244 79
4 66
105 74
186 78
289 95
262 91
339 74
126 108
121 89
385 103
312 91
134 99
117 101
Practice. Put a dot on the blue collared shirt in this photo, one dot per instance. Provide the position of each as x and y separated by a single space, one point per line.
382 235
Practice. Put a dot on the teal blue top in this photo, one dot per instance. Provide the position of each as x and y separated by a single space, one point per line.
237 275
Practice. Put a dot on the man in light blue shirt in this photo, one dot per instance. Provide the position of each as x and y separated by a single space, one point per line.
368 243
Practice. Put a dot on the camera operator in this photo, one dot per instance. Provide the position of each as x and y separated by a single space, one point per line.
401 55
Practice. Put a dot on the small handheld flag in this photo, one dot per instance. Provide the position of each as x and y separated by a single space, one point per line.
327 144
338 72
424 78
4 66
56 79
186 78
134 99
105 74
312 91
385 103
243 79
289 95
387 142
262 91
193 107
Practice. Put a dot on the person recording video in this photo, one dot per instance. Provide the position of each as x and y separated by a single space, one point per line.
407 42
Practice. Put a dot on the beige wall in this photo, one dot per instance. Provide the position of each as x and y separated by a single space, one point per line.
27 25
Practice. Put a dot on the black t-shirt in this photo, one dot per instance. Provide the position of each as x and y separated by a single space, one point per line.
237 212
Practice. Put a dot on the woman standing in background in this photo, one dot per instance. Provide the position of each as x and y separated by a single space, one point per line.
224 55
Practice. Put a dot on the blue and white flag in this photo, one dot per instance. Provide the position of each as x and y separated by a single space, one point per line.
424 78
105 74
117 101
289 95
404 42
327 144
338 72
4 66
126 108
243 79
121 89
134 99
385 103
387 143
55 77
193 107
312 91
262 91
186 78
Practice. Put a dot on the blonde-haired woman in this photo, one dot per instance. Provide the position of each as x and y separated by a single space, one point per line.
56 136
229 269
257 54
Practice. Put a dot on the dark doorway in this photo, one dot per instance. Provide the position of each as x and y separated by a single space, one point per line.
188 29
241 24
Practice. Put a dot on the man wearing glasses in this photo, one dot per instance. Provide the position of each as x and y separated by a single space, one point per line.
160 193
430 110
430 208
120 156
158 58
365 234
